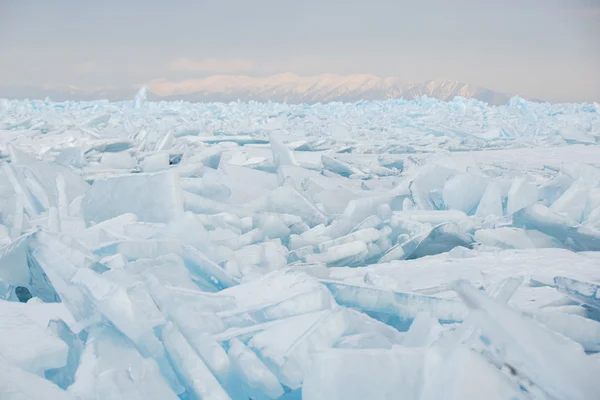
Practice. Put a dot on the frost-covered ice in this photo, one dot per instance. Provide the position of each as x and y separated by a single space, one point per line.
252 251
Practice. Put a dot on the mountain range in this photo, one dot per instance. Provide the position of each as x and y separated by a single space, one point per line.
285 87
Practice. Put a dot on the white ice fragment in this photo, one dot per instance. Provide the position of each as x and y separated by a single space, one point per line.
582 330
287 199
140 98
541 218
204 205
365 235
491 201
252 370
190 367
423 331
111 367
406 305
585 292
118 160
287 348
282 155
433 217
151 197
36 190
532 350
27 344
464 191
17 384
466 375
339 166
273 226
573 202
205 269
515 238
13 215
344 374
155 162
207 186
430 178
345 253
521 194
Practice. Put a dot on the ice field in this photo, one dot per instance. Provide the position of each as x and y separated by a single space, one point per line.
378 250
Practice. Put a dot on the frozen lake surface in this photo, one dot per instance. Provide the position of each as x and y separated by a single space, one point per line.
377 250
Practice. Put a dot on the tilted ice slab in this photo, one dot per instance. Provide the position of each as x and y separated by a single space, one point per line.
234 251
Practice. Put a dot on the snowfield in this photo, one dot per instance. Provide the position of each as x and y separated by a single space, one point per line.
377 250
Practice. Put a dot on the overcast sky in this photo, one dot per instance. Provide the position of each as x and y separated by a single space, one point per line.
548 49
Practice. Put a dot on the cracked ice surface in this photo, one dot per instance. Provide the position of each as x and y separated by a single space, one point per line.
377 250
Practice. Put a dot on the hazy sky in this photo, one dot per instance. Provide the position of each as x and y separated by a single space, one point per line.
543 48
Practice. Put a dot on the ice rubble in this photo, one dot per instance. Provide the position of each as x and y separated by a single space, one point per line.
236 251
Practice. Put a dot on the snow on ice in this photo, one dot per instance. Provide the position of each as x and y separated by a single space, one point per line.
376 250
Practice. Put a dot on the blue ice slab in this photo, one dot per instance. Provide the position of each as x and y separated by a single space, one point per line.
112 367
405 305
190 367
239 139
140 98
440 239
16 383
545 220
65 376
151 197
205 269
548 360
258 380
585 292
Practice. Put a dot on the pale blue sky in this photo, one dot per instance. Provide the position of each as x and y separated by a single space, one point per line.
548 49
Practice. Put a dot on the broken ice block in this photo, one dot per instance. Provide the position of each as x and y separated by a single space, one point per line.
442 238
206 187
140 98
151 197
345 374
120 160
259 380
205 269
582 330
515 238
521 195
155 162
190 367
18 384
287 199
433 217
282 155
572 202
423 331
204 205
429 179
543 219
196 323
531 350
342 254
406 305
363 235
585 292
287 348
111 367
491 201
27 344
466 375
464 191
339 167
291 293
65 375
